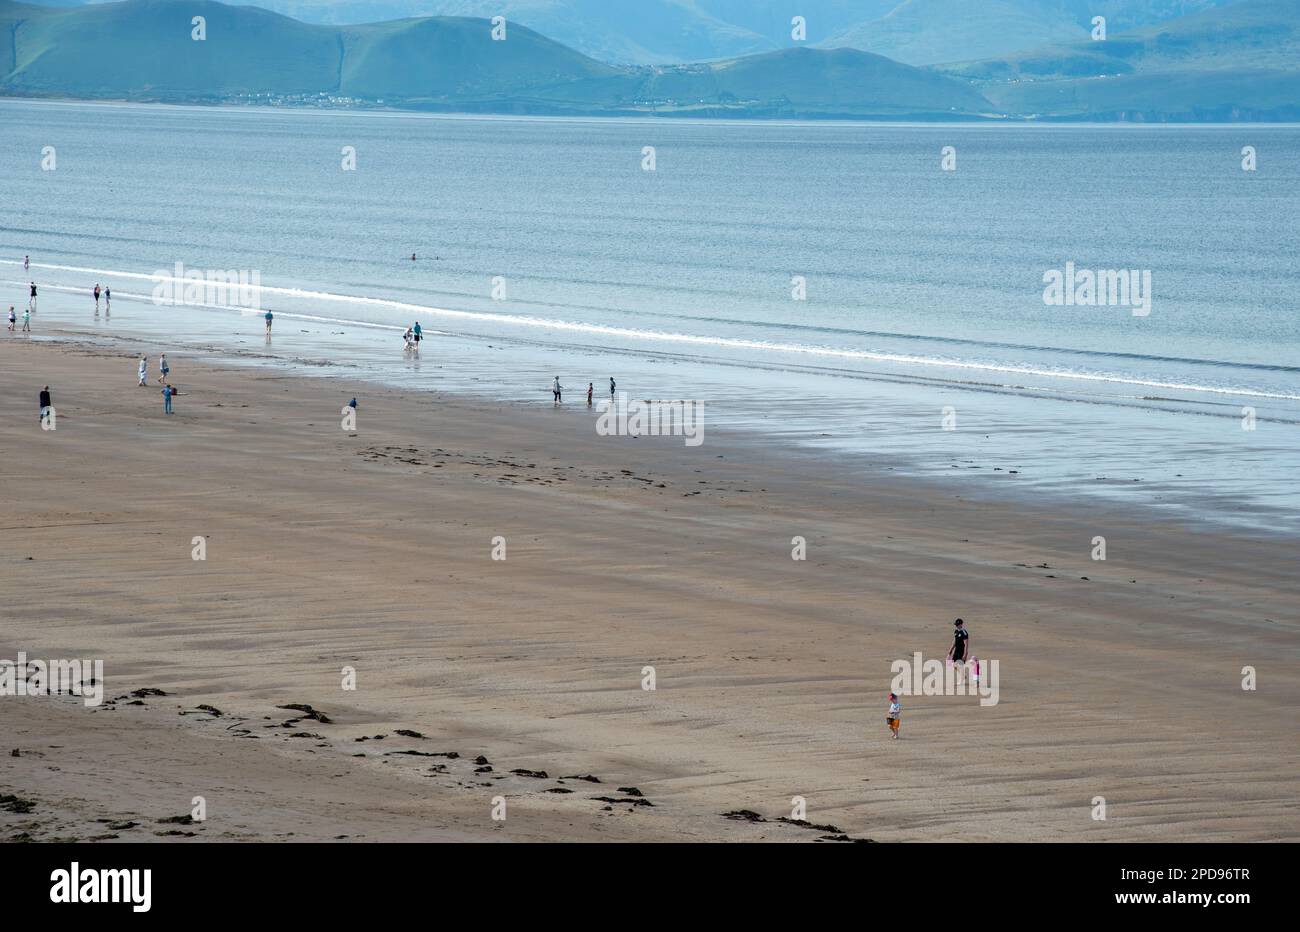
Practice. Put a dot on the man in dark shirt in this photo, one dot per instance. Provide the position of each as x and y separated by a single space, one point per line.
45 401
960 646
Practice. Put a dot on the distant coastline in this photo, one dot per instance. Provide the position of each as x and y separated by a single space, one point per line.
526 108
739 114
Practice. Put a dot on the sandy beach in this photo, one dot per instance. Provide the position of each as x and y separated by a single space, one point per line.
374 550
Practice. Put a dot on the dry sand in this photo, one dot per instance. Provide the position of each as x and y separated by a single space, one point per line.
373 550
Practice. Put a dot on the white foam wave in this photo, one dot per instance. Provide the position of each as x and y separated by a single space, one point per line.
520 320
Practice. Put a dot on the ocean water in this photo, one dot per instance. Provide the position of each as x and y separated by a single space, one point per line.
924 288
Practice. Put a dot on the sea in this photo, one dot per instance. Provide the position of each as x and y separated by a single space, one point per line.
908 297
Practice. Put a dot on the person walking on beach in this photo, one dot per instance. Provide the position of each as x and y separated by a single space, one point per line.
611 388
27 261
163 368
31 302
895 711
557 390
96 297
143 372
13 318
590 389
960 643
167 394
45 403
27 321
108 297
269 317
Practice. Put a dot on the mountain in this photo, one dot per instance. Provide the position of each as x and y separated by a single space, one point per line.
924 32
804 80
638 32
644 32
455 59
1237 61
1234 62
916 32
615 31
143 50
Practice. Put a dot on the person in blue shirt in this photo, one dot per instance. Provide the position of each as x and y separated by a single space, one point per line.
167 394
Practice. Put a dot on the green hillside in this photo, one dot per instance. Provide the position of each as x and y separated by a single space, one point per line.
454 58
144 48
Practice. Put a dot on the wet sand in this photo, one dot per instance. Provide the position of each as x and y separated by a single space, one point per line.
373 550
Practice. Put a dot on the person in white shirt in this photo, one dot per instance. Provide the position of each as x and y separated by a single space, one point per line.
143 371
895 710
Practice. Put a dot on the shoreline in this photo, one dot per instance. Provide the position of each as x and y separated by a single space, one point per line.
1190 509
374 551
965 120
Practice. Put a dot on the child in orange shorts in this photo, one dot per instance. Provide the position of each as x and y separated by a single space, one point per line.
895 710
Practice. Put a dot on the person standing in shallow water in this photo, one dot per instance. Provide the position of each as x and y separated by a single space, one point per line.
557 390
96 292
611 386
269 317
590 389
